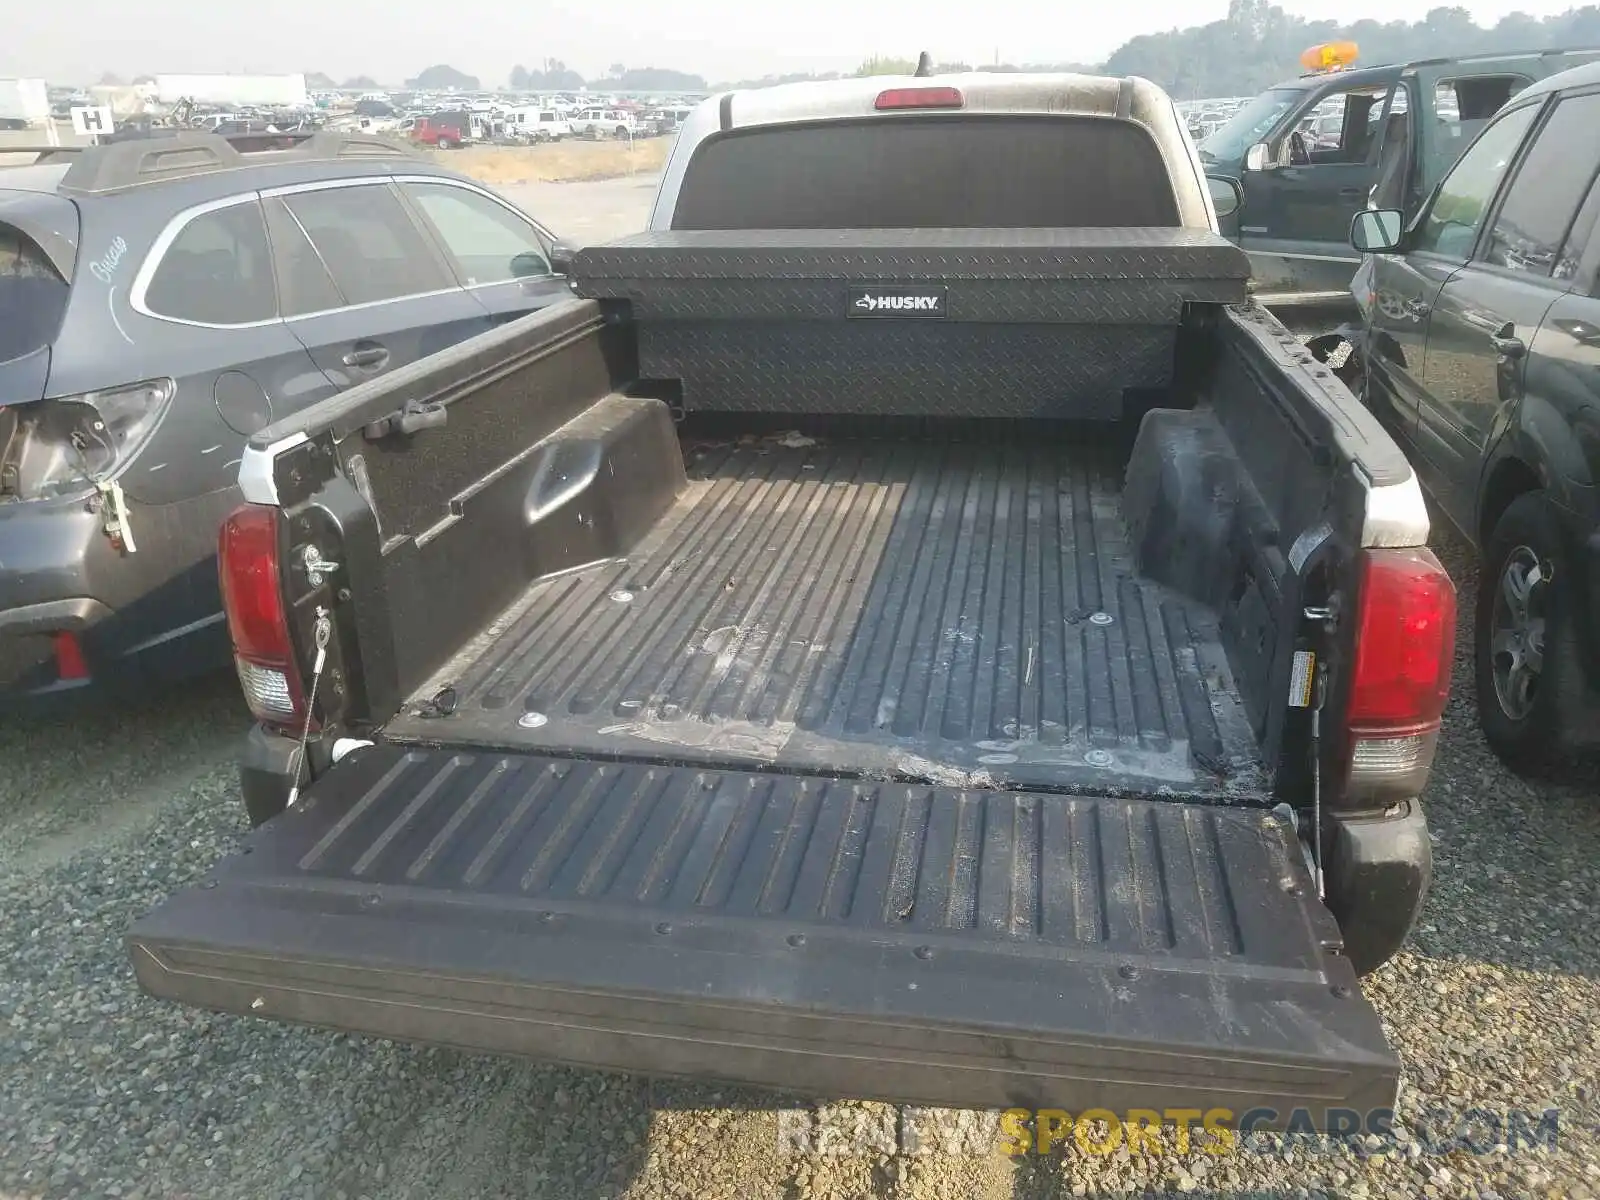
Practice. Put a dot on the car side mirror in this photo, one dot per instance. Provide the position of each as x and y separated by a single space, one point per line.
1259 158
1378 230
1227 195
528 265
561 256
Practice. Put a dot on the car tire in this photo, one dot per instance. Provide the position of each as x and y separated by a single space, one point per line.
446 143
1534 705
622 131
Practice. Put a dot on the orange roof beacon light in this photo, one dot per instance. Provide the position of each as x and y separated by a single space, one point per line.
1329 56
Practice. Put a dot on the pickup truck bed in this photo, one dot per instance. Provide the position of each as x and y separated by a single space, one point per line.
750 696
964 609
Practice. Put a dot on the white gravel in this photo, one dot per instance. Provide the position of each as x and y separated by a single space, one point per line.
106 1093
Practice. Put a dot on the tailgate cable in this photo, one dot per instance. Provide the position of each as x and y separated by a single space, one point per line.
1308 688
1321 687
323 632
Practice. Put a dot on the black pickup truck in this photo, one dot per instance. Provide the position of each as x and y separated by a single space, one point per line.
910 628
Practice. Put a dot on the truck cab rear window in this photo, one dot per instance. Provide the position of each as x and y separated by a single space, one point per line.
33 297
955 172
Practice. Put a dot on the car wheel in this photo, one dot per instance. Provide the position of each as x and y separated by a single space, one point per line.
446 143
622 131
1532 701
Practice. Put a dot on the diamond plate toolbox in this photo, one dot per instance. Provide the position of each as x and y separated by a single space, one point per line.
1032 322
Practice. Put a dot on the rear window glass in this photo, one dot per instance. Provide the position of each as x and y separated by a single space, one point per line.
218 270
33 296
903 172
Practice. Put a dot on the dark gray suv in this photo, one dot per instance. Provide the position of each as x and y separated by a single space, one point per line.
161 300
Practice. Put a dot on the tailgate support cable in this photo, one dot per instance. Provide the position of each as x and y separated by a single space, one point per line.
323 632
1313 692
1321 687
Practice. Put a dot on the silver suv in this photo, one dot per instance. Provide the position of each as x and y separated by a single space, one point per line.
161 299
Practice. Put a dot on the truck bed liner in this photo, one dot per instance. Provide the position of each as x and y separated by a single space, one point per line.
964 614
825 937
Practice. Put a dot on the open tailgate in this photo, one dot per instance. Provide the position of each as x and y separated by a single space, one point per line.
969 948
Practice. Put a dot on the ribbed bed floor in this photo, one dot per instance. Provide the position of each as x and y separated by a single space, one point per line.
961 614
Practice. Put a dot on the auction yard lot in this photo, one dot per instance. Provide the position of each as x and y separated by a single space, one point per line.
583 190
1495 1005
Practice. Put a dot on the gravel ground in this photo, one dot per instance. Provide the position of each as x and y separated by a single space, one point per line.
105 1093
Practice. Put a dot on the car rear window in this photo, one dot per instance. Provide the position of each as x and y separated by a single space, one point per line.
218 270
971 171
33 296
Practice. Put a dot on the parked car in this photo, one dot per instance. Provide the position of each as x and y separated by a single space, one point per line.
442 130
604 122
163 299
1480 353
538 124
1396 128
861 646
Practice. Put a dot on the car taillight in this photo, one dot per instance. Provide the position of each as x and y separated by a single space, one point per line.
1405 646
252 598
919 97
70 663
61 446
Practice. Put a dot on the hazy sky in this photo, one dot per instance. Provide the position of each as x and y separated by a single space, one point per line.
721 39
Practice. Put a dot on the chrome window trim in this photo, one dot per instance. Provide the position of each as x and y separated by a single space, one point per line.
174 227
466 186
365 304
324 185
163 243
542 235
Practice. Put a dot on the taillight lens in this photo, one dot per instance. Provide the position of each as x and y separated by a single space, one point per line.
63 444
1405 647
919 97
252 598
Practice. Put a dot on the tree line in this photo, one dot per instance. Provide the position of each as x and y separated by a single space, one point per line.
1256 45
551 75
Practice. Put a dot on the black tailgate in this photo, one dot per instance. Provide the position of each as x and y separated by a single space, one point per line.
829 937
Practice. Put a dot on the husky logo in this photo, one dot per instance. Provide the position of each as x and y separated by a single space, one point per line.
896 302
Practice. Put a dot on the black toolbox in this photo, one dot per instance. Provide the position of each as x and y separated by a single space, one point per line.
1053 323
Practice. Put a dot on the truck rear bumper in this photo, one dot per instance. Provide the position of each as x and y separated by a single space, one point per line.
827 937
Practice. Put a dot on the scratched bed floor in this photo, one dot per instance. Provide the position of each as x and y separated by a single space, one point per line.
969 614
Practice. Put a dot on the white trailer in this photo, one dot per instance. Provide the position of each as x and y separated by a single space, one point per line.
24 103
276 91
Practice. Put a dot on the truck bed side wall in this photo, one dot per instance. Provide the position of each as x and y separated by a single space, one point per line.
1254 501
538 468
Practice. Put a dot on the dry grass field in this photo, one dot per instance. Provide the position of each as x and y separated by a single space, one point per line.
558 162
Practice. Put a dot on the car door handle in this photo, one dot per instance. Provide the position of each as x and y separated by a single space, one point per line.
1511 347
366 356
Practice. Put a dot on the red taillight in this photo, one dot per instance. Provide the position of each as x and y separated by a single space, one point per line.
252 598
1405 646
1405 641
70 663
919 97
